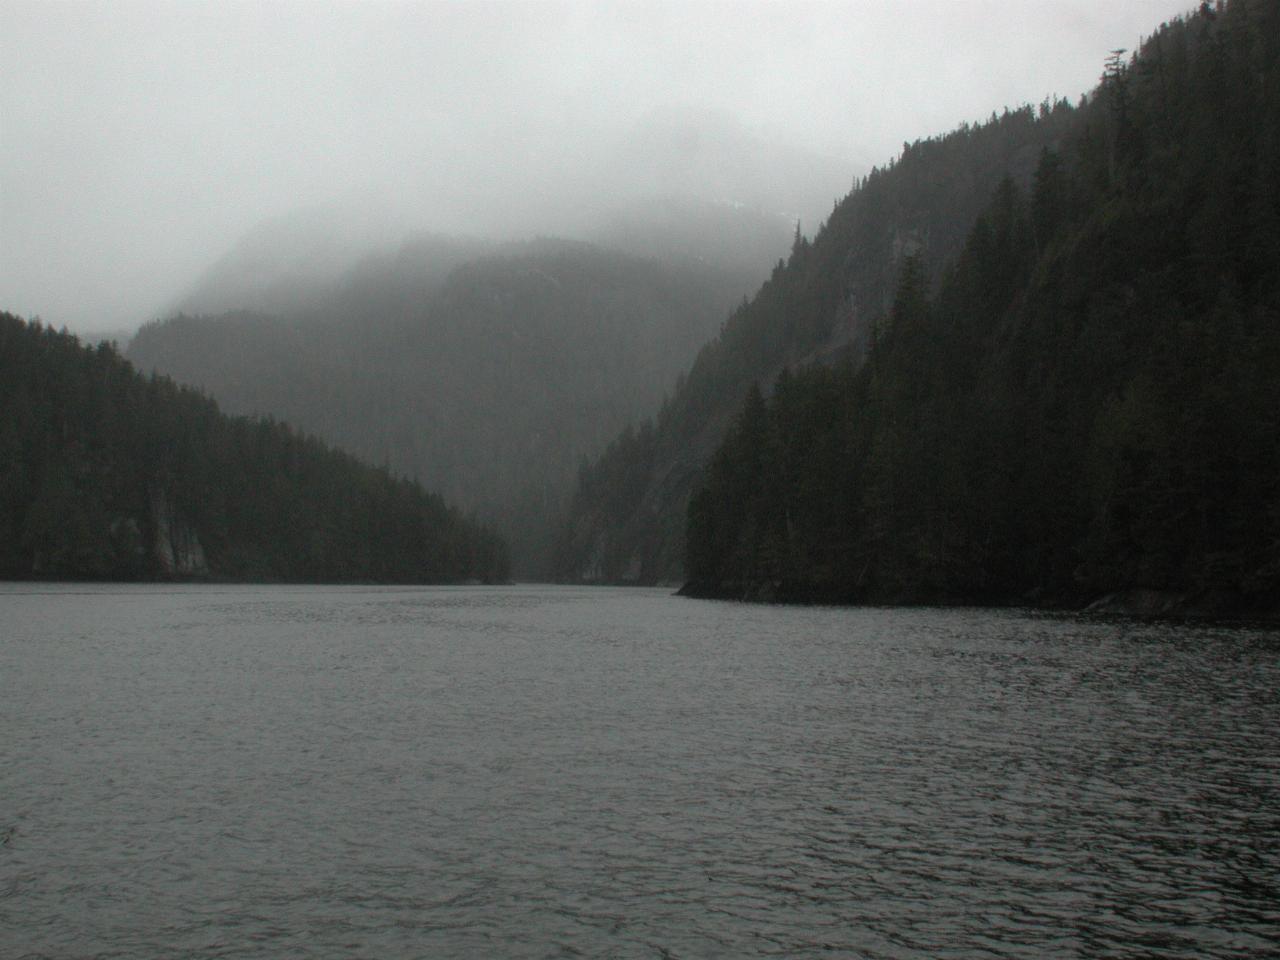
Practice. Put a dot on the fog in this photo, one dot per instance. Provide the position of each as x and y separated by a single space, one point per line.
140 142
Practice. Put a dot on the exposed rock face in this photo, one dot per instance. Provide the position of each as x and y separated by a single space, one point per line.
178 550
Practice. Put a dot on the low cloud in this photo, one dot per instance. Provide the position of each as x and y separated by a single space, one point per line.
140 141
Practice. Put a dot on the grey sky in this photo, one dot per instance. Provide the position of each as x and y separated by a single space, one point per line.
139 141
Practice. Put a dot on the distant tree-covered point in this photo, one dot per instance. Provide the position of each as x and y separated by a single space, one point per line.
1087 404
107 474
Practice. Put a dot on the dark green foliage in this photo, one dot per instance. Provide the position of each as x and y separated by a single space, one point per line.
106 474
819 305
1089 401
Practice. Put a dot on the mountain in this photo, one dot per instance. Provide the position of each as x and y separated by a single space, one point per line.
106 474
420 352
712 157
491 383
679 184
298 262
626 522
1088 403
735 237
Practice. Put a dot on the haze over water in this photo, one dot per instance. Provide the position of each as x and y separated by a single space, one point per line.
530 772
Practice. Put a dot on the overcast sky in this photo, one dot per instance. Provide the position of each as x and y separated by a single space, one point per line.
139 141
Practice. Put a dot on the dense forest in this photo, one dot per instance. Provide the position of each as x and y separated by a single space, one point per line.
1086 401
489 380
107 474
1034 359
626 522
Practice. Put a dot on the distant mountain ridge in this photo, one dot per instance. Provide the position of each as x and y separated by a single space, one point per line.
492 369
296 264
490 380
678 184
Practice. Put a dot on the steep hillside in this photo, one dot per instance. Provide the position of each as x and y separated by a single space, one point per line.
491 385
627 519
105 474
1089 405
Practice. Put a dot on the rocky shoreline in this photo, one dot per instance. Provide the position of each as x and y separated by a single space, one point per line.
1136 602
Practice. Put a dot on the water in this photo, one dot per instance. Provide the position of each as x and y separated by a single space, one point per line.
542 772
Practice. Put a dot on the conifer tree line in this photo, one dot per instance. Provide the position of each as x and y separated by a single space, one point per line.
627 518
107 474
1087 400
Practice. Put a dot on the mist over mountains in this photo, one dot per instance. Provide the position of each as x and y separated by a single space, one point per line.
489 382
142 143
301 262
490 369
555 321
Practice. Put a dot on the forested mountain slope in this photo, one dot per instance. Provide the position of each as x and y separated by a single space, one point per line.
105 474
627 517
1088 404
490 385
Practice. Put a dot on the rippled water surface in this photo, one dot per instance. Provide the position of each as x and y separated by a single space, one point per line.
541 772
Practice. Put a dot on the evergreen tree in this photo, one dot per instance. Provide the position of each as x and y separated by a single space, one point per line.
1088 401
109 475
